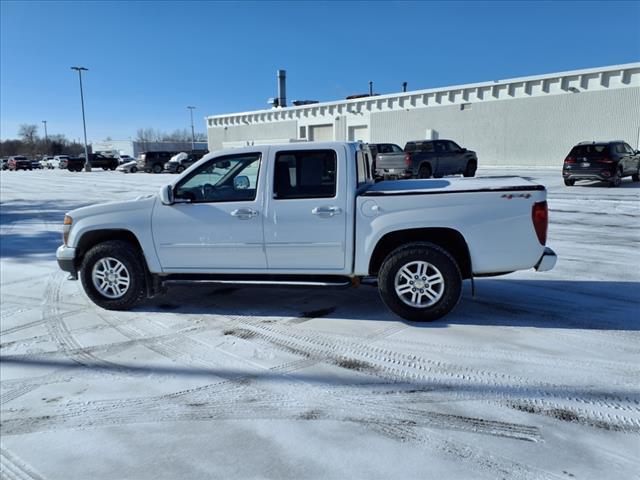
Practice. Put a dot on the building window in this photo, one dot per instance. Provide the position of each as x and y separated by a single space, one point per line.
303 132
465 106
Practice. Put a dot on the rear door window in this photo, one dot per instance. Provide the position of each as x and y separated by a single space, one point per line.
305 174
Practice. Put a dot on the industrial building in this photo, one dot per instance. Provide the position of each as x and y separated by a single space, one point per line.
529 121
134 148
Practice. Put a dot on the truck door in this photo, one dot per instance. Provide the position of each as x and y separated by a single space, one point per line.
445 158
216 224
305 224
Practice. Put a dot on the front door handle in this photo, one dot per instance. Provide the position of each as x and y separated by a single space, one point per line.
244 213
326 211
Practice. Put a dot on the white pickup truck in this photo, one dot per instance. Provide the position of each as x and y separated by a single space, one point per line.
309 214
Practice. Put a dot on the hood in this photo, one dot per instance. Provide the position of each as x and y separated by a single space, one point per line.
141 203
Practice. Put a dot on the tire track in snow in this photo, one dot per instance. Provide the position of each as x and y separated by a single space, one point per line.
13 468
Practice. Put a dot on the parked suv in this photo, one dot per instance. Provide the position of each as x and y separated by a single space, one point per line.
180 162
61 161
607 161
20 162
154 161
427 158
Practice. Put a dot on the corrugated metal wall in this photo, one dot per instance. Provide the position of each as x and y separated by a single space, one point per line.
536 131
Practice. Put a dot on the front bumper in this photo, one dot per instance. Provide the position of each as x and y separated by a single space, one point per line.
547 260
66 257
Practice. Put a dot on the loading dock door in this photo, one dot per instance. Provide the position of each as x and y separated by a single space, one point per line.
359 132
321 133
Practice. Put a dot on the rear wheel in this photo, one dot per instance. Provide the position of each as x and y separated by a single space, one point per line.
636 177
113 276
420 282
104 168
133 169
569 183
179 169
616 180
470 171
424 171
157 168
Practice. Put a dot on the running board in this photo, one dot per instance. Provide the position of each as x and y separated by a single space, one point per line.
257 280
263 282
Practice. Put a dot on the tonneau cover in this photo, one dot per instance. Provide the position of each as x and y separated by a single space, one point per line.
451 185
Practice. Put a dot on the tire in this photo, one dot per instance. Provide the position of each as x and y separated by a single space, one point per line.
179 169
157 168
569 183
111 255
616 180
636 177
112 168
424 171
470 170
420 258
133 169
104 168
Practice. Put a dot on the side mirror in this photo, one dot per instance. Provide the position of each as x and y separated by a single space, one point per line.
241 182
166 195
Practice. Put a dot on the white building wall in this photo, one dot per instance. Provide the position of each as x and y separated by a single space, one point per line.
536 131
248 133
529 121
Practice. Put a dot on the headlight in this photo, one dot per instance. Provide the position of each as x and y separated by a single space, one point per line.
66 228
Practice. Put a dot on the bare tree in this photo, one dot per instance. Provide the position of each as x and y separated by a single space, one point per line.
28 133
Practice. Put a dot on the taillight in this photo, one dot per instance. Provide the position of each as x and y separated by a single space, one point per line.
540 217
569 160
407 160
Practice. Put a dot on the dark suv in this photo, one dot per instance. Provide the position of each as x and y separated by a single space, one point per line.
606 161
154 161
180 162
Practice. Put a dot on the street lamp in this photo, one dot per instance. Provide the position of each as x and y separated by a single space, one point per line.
46 138
87 163
193 136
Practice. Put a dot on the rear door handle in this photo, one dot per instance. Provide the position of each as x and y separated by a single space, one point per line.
326 211
244 213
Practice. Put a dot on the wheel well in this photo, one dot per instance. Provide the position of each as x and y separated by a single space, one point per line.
448 239
90 239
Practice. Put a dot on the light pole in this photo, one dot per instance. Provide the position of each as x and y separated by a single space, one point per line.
193 135
46 138
87 163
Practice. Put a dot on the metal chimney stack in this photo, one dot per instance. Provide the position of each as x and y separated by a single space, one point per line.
282 88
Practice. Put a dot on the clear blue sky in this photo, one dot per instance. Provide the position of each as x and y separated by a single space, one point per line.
149 60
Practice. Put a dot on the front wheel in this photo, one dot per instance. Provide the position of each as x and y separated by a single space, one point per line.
133 169
179 169
113 276
420 282
157 168
636 177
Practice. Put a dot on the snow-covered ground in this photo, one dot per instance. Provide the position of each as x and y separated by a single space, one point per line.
537 377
